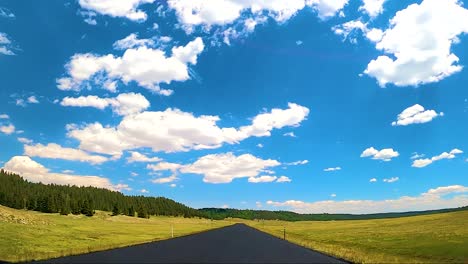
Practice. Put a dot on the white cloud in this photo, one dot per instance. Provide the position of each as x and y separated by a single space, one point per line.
258 204
350 29
332 169
237 18
121 8
225 206
32 100
417 156
264 178
122 187
5 45
123 104
173 130
333 195
390 180
55 151
89 17
7 129
384 154
259 145
289 134
415 114
283 179
163 166
6 13
419 42
223 168
164 180
172 185
144 191
373 180
299 42
372 7
146 66
25 140
138 157
420 163
133 174
432 199
4 116
35 172
299 162
132 41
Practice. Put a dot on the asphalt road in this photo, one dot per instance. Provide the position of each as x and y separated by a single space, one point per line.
233 244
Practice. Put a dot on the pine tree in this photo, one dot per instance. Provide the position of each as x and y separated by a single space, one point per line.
131 211
115 210
142 212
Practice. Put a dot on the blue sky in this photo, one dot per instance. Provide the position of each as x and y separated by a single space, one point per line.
315 106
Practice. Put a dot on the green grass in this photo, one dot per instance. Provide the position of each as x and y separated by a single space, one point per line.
28 235
437 238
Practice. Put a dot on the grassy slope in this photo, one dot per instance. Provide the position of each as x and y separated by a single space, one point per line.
430 238
27 235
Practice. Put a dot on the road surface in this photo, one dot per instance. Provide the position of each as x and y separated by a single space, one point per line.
233 244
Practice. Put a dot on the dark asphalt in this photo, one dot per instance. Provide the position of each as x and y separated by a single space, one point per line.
233 244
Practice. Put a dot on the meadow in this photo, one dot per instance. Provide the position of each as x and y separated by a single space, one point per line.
437 238
29 235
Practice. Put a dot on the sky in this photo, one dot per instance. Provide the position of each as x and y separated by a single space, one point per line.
313 106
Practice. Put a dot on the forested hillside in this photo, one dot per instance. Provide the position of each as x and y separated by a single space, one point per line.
15 192
218 213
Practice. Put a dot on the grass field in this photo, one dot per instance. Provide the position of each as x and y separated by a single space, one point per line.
28 235
438 238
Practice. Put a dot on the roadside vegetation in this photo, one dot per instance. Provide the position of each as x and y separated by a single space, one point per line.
29 235
436 238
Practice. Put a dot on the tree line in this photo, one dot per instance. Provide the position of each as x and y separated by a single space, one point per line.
18 193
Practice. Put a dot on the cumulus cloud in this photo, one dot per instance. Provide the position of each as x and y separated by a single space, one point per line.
384 154
35 172
441 197
264 178
332 169
144 191
390 180
146 66
55 151
173 130
283 179
121 8
32 100
5 45
372 7
224 168
237 18
139 157
419 44
351 29
415 114
123 104
373 180
7 129
4 116
132 41
164 166
420 163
